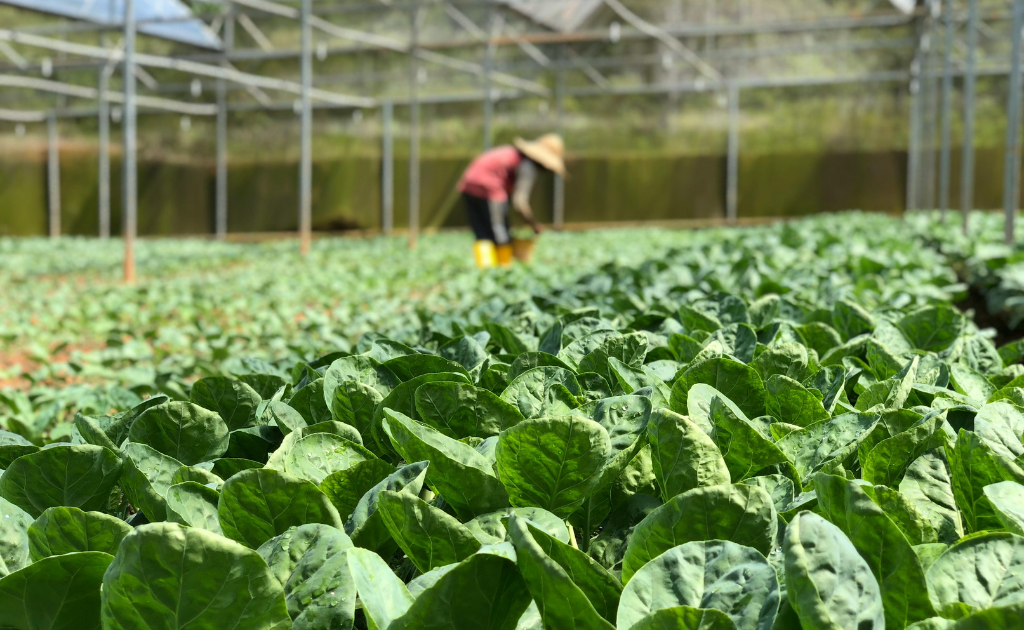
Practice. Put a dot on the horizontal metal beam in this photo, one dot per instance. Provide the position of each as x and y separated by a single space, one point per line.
83 91
183 65
383 42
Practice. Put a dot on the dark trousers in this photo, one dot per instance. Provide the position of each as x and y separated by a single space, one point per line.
488 219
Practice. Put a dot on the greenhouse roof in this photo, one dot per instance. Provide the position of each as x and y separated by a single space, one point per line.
167 19
560 15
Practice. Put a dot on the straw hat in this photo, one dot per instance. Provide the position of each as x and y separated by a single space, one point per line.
547 150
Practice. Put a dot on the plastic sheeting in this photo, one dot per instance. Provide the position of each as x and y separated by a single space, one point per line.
559 15
167 19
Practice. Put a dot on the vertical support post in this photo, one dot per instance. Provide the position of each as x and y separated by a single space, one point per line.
221 208
947 94
1011 164
488 81
733 159
128 132
387 193
103 167
914 148
414 130
306 133
53 173
967 162
559 202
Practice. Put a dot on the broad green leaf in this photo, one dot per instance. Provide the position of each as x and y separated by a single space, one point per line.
970 382
552 463
490 529
483 592
684 457
199 475
785 359
1001 425
465 352
411 366
360 369
317 455
562 604
311 563
148 474
366 524
928 485
56 593
781 489
829 585
685 618
789 401
1007 500
974 465
345 487
740 513
904 514
889 460
573 353
812 447
630 349
738 382
851 319
543 391
745 451
719 575
429 537
980 572
61 530
402 399
13 446
460 410
457 472
384 597
933 328
530 360
354 404
255 443
14 543
234 401
74 476
184 431
284 417
882 545
256 505
309 402
193 504
169 576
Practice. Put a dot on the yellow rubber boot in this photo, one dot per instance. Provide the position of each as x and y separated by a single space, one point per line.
505 255
484 254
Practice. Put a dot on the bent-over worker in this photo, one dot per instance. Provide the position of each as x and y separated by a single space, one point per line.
500 174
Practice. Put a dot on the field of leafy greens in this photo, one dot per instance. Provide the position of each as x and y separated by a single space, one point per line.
781 427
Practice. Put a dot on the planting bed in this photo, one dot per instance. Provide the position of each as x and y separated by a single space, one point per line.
780 427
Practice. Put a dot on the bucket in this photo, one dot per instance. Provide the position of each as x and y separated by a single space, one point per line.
522 248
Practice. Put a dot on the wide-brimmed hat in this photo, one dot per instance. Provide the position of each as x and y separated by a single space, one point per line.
547 150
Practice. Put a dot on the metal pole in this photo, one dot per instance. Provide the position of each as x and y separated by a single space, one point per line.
221 209
414 132
732 164
103 168
129 140
53 173
967 162
488 71
559 202
914 149
947 94
387 194
306 148
1011 164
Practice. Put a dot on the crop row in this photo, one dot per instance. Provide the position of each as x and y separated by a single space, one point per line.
780 427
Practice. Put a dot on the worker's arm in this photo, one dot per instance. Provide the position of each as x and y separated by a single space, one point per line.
526 176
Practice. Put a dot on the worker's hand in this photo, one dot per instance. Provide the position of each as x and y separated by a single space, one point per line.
537 227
